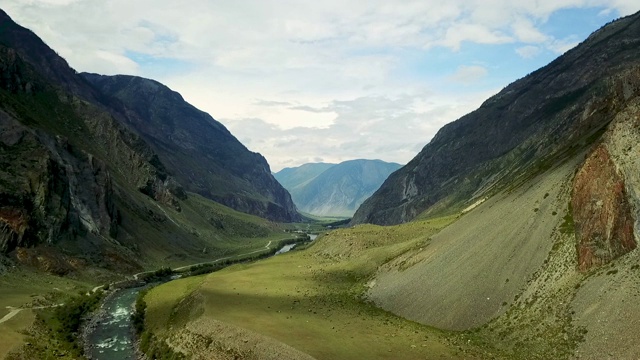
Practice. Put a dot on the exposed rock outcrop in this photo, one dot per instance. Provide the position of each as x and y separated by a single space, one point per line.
49 189
601 211
605 201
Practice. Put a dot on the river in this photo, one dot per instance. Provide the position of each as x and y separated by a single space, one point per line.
110 335
290 247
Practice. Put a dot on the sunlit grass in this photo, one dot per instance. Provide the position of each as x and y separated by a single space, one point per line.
312 299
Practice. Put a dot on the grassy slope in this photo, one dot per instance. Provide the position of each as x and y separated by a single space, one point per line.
310 300
24 288
178 239
201 231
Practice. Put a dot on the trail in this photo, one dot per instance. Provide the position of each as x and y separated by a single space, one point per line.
220 259
11 314
135 276
15 311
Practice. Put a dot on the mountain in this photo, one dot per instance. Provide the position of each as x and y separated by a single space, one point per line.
542 186
548 116
339 189
196 149
84 183
299 176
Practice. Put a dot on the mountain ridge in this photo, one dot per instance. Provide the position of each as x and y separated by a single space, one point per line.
199 151
550 114
335 190
79 188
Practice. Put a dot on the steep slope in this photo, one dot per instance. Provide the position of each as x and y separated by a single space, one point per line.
340 189
293 177
549 115
199 151
547 266
78 189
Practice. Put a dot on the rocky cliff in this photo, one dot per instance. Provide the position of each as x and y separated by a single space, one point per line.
63 190
605 201
550 115
199 151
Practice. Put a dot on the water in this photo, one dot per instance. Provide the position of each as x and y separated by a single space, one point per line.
289 247
112 339
285 249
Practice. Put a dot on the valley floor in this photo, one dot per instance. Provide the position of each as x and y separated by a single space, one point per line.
26 291
305 304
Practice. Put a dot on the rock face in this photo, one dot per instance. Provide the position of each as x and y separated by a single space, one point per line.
49 189
605 199
533 123
199 151
339 189
601 211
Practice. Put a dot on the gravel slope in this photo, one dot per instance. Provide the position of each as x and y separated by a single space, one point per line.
471 270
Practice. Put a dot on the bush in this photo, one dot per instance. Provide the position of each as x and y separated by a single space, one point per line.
138 316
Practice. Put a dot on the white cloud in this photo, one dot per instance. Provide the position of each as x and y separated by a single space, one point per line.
299 80
528 52
475 33
469 74
374 127
526 32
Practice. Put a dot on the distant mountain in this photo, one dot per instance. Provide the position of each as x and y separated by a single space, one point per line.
339 189
294 177
196 149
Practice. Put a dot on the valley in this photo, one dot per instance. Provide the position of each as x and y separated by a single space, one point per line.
249 310
132 221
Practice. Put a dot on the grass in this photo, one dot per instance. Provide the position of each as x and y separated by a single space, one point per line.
24 288
312 299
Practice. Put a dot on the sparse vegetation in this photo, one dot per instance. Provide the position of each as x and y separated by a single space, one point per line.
568 226
55 331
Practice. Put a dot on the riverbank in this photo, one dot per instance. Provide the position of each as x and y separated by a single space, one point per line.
307 301
109 335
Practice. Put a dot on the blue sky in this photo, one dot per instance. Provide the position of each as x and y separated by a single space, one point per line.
304 81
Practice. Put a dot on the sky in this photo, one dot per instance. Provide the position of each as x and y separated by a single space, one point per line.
321 81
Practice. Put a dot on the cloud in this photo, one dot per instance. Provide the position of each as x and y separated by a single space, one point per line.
469 74
271 103
309 109
528 52
526 32
475 33
332 79
374 127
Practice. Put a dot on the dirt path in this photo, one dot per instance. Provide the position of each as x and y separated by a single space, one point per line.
135 276
12 313
15 311
220 259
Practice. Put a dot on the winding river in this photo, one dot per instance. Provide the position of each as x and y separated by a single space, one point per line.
110 334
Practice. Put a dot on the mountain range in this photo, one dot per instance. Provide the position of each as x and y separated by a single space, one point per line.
97 166
334 189
515 231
